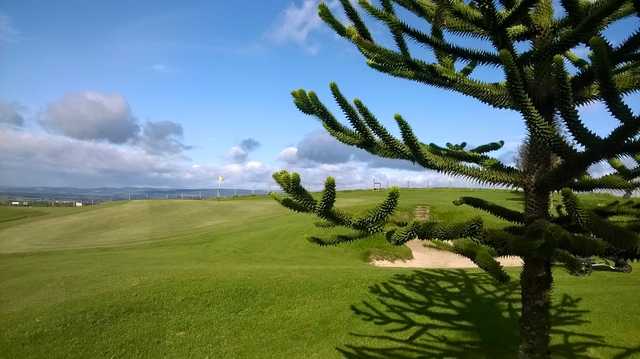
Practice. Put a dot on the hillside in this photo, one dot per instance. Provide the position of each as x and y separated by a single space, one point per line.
236 279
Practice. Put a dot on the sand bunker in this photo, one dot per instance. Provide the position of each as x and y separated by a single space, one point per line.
425 257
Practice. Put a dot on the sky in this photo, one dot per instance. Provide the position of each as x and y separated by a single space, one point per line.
174 94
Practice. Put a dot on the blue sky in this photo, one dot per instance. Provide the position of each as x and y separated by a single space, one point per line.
191 81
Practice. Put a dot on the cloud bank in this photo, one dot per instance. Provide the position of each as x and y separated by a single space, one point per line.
92 139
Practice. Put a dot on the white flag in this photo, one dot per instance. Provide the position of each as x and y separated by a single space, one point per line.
220 179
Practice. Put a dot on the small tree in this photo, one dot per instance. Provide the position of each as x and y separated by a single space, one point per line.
546 83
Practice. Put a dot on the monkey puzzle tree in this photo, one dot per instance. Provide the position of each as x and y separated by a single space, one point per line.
546 81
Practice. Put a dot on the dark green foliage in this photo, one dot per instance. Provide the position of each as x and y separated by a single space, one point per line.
619 241
538 85
574 264
495 209
435 230
300 200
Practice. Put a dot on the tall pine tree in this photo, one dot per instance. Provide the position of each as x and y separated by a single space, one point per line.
546 83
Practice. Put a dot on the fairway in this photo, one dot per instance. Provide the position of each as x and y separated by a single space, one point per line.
128 223
237 279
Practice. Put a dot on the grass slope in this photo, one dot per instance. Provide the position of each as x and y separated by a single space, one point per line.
236 279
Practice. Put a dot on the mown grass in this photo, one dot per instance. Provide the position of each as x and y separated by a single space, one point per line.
236 279
11 214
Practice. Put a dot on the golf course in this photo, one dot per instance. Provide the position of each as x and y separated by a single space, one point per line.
236 278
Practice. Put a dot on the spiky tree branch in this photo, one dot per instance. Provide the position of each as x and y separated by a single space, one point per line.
298 199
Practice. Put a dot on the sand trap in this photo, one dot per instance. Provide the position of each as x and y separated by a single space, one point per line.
424 257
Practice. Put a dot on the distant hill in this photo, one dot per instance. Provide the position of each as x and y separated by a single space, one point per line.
120 193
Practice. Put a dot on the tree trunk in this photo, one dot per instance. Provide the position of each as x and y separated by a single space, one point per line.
536 277
535 321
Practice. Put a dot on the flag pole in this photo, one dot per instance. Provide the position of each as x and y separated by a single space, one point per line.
220 179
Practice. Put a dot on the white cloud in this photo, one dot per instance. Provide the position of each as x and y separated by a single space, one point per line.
91 116
297 23
237 154
288 155
95 116
240 152
254 165
29 158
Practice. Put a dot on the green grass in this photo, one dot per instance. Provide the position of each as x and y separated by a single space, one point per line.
236 279
12 214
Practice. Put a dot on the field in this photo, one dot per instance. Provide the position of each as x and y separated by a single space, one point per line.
237 279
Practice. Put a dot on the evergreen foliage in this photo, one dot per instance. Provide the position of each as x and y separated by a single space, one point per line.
300 200
546 83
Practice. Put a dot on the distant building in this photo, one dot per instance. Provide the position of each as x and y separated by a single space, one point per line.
78 204
15 203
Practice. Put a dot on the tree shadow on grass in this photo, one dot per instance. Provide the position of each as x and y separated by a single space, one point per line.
457 314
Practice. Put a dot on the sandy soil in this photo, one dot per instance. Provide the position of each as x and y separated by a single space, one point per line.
424 257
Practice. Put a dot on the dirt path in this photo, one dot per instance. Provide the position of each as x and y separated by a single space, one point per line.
425 257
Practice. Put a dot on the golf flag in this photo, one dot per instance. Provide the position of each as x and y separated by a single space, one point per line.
220 179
